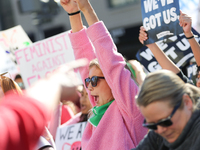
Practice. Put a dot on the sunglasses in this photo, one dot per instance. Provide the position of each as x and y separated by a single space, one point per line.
93 81
164 122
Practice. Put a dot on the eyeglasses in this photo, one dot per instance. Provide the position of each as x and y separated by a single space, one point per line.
93 81
164 122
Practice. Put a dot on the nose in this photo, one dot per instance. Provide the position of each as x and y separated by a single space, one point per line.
198 83
160 129
90 87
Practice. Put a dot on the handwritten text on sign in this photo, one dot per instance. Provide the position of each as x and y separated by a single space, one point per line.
69 137
42 57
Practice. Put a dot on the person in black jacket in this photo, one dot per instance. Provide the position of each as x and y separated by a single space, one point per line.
171 110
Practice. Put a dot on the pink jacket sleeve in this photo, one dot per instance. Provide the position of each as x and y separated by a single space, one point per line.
22 121
83 48
112 64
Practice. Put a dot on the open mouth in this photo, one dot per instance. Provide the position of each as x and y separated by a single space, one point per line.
96 99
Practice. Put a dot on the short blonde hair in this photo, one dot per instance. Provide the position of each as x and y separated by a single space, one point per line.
164 85
94 62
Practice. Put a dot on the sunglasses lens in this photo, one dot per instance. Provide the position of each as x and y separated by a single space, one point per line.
87 82
94 81
166 123
151 127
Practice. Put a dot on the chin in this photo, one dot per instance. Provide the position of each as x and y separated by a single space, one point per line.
172 140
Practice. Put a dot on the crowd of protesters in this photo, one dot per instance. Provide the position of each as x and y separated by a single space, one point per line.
125 108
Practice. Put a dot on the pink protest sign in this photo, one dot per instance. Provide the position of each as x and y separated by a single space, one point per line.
41 58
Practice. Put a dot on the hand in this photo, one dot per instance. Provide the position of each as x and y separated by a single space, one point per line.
142 35
83 4
69 6
185 22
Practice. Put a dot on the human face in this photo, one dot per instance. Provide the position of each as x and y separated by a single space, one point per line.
102 92
198 79
85 102
158 110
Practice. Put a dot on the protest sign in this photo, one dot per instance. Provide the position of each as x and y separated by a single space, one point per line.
7 65
69 137
13 39
160 19
179 51
42 57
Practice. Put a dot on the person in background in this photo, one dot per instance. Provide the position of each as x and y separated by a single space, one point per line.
7 84
171 109
137 70
19 81
163 60
23 117
115 122
85 107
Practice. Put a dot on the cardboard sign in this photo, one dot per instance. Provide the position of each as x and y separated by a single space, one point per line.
13 39
160 19
178 50
69 137
42 57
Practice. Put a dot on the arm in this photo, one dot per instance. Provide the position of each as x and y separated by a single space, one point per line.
138 68
111 62
160 56
186 23
80 42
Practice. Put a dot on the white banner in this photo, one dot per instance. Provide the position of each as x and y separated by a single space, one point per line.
69 137
42 57
13 39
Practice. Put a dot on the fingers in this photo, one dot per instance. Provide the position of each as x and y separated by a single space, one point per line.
142 35
184 19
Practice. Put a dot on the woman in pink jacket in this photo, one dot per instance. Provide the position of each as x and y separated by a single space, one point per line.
116 122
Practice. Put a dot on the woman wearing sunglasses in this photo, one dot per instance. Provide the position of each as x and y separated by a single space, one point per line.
171 111
116 120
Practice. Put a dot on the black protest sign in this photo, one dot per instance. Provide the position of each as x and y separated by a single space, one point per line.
178 50
160 19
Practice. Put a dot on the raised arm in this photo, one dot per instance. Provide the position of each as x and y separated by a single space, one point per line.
71 7
186 23
88 11
160 56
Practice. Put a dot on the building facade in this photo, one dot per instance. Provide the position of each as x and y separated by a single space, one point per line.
122 18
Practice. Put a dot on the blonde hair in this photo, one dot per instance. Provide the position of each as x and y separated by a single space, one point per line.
164 85
94 62
8 84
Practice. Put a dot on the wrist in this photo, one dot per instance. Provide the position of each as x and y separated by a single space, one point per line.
188 34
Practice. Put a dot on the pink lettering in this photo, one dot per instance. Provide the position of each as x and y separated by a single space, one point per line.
64 41
46 47
53 48
30 78
56 40
25 54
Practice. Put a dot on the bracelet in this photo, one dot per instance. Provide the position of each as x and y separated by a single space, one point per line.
71 14
190 37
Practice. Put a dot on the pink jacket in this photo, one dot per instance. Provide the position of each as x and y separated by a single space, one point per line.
121 126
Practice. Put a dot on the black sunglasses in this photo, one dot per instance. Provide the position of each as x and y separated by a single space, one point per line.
164 122
93 81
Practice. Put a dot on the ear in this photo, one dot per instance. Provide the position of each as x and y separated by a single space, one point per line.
187 102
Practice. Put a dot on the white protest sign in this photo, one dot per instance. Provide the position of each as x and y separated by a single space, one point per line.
42 57
13 39
7 65
69 137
